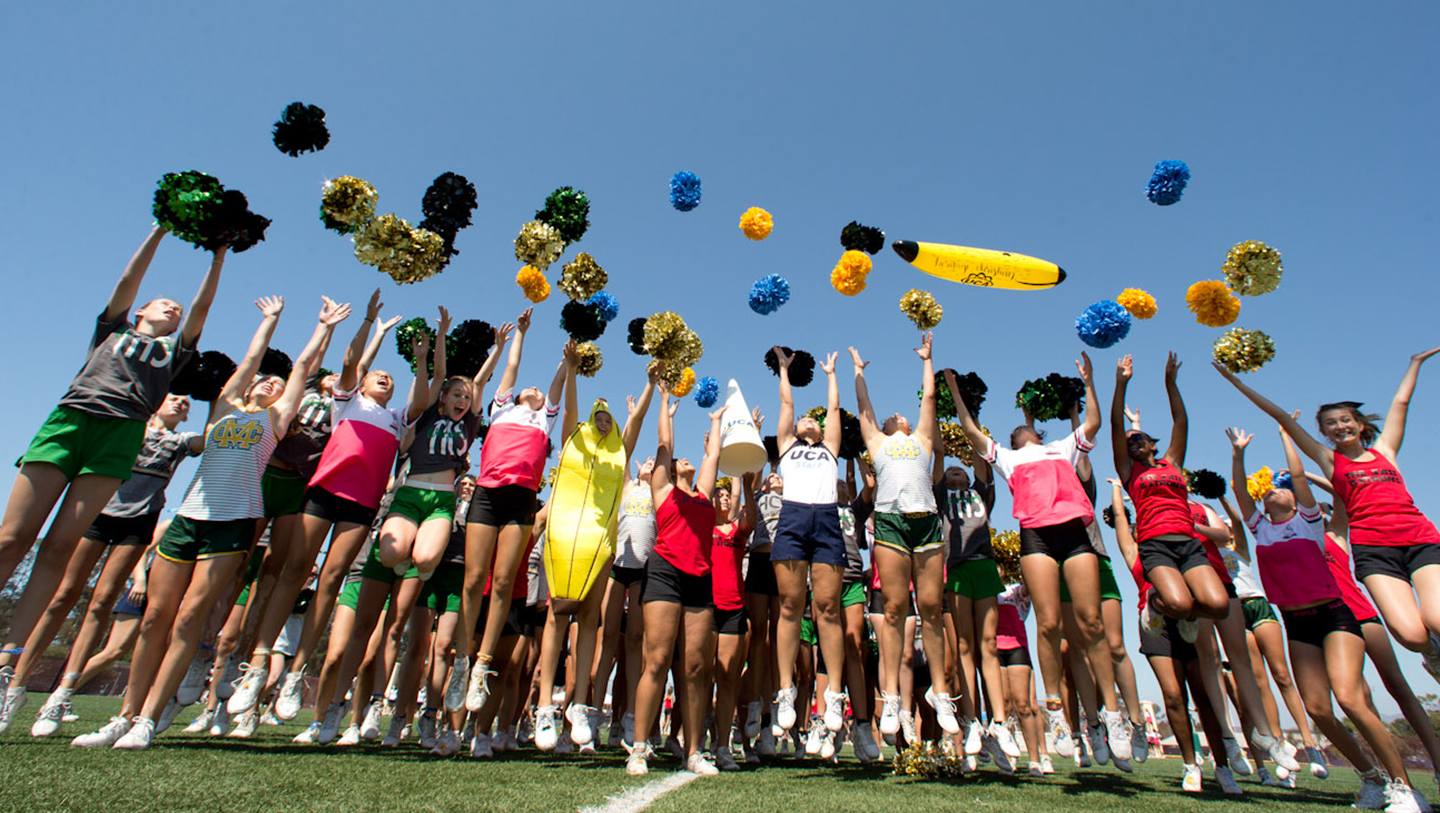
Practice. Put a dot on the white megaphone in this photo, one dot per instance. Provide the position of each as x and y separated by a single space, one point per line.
741 449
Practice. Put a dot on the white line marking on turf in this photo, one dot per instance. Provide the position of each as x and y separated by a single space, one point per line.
635 800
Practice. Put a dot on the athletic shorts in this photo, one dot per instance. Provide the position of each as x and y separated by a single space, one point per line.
732 622
1311 625
1230 589
1183 555
1400 561
518 619
116 531
80 443
189 540
283 491
976 579
373 569
1109 590
760 576
1258 611
627 576
808 532
666 582
854 593
442 593
1059 542
424 504
501 506
1168 644
1019 656
289 638
877 604
532 618
808 633
350 593
335 509
909 533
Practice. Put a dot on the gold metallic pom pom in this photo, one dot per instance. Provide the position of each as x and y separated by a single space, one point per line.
347 204
582 278
406 254
538 244
1244 351
1252 268
922 308
590 359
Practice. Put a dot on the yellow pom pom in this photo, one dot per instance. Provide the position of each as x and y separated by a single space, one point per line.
723 483
590 359
756 223
1244 351
1140 304
686 382
532 281
1212 303
1260 483
406 254
849 275
957 443
582 277
538 244
1252 268
922 308
347 204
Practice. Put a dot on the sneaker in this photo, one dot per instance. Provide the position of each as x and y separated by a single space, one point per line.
586 750
527 730
479 690
725 760
1139 743
636 759
1235 755
247 690
1286 780
752 719
546 735
245 726
859 745
193 684
1191 781
107 736
287 705
7 675
1266 779
1152 623
751 758
138 737
1227 781
701 765
827 744
1059 731
1123 764
1431 657
427 731
1399 798
1082 755
1036 771
765 745
1097 738
1372 791
1002 762
1117 729
69 716
370 727
502 741
350 737
944 711
785 747
480 747
785 708
396 734
459 680
974 739
580 729
907 727
309 735
565 745
225 688
219 721
969 764
331 725
1189 629
627 727
167 716
15 699
1318 767
1003 738
889 713
834 710
815 736
47 722
1276 748
1046 765
447 744
269 718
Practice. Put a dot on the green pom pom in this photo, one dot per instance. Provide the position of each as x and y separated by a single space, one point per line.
568 211
1039 400
184 201
405 342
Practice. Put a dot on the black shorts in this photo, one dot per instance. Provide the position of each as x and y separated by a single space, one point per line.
117 531
336 510
1400 561
514 619
1182 555
532 619
1168 644
760 576
876 605
666 582
1230 590
627 576
732 622
1059 542
1019 656
1311 625
501 506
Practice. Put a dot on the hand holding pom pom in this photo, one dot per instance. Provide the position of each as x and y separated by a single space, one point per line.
1103 324
849 275
582 277
301 128
1252 268
1260 483
1040 401
568 210
1140 304
855 237
467 347
538 244
347 204
590 359
707 392
922 308
1212 303
684 191
957 443
667 338
972 391
532 281
1244 351
756 223
802 366
1167 182
1069 389
405 336
768 294
184 201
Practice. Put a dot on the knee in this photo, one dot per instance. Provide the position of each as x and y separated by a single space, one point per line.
895 613
827 611
1047 628
792 607
1282 679
1414 637
1217 606
429 563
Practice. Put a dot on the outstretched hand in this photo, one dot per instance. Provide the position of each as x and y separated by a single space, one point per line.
1419 357
781 357
1087 370
372 310
390 323
572 354
1172 368
1225 371
757 417
502 334
1124 368
1239 438
270 305
828 365
923 351
444 323
855 359
717 415
332 314
522 322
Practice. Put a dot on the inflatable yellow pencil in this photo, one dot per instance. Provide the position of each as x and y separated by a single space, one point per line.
981 266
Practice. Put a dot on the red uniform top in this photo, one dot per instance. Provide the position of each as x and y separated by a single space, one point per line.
1380 507
1339 561
727 586
685 526
1142 587
1198 517
1161 498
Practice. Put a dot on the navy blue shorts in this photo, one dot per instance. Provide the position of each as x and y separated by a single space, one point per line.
807 532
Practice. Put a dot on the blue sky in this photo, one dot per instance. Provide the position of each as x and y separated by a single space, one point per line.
1024 127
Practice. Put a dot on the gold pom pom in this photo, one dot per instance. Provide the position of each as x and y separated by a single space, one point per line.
1140 304
1260 483
683 384
582 278
922 308
1252 268
723 483
538 244
849 275
756 223
667 338
406 254
347 204
929 761
590 359
532 281
1005 546
1212 303
1244 351
957 443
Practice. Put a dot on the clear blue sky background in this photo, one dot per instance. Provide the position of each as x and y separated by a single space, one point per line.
1024 127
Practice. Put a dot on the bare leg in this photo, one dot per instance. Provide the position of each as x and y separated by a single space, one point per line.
72 585
118 566
344 546
209 580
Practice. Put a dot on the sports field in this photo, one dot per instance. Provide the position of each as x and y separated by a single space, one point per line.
268 773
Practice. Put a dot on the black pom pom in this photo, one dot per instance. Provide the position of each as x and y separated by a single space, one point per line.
772 448
1108 514
972 391
856 237
467 346
1070 389
233 224
276 362
852 443
582 321
301 128
637 335
802 366
447 206
204 377
405 343
1206 483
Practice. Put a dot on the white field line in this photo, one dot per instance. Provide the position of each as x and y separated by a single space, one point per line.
635 800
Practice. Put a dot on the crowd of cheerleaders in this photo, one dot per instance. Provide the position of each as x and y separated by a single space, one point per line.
754 596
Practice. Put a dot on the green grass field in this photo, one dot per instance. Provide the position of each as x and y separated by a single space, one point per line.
268 773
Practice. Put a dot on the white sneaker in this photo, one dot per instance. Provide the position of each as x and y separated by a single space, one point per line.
69 716
292 690
1099 747
331 725
974 736
725 760
193 684
480 747
753 713
428 732
269 718
1239 761
309 735
1284 778
447 744
15 698
200 723
1059 731
350 737
1046 766
1191 781
107 736
889 713
587 750
834 710
247 690
636 761
1399 798
47 722
245 725
1372 791
580 729
1005 740
1035 770
1139 743
1117 729
785 708
167 717
546 735
1227 782
944 711
1152 623
1276 748
396 734
907 727
1318 767
815 736
479 690
459 680
370 727
138 737
225 688
219 721
827 744
699 764
1189 629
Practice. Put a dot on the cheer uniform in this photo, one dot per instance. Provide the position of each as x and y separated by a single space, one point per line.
678 570
442 592
852 527
441 445
1253 602
905 515
133 512
217 516
1048 500
1339 561
634 534
298 454
512 462
1010 641
965 521
1164 523
1291 558
1167 643
1198 517
1389 536
809 526
727 585
760 575
350 479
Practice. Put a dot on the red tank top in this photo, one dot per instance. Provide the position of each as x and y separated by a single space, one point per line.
726 584
685 526
1198 516
1339 561
1137 571
1380 507
1161 499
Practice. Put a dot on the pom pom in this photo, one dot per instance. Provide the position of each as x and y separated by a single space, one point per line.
957 443
922 308
581 321
1212 303
756 223
768 294
184 201
405 335
1039 400
406 254
1103 324
447 206
1285 481
234 225
1260 483
855 237
929 761
532 281
276 362
1244 351
684 190
852 443
347 204
1252 268
582 277
636 335
538 244
1070 389
1205 483
1108 514
802 366
772 448
568 210
204 377
723 483
608 305
301 128
467 347
1005 546
590 359
1167 182
1140 304
683 384
972 392
668 339
849 274
707 392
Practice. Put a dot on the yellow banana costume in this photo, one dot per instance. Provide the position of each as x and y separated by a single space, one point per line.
981 266
580 534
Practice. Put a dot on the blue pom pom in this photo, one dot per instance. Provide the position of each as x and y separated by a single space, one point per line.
1283 480
1103 324
707 392
768 294
685 191
1167 182
609 308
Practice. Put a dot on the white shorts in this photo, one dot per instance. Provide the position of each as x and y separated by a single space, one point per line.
290 636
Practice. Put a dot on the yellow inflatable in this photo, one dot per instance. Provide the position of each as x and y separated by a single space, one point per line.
580 534
981 266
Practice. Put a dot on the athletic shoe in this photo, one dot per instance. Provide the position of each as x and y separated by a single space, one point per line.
396 734
447 744
1096 737
636 759
1123 764
944 711
581 732
751 758
1082 755
225 689
331 725
785 748
167 716
479 690
350 737
1318 768
827 744
1189 629
69 716
725 761
700 765
765 745
1286 781
1036 771
427 731
1399 798
193 684
1266 779
785 708
1372 791
527 730
1276 748
1191 781
752 719
907 727
1004 739
480 747
1139 743
1431 658
1046 765
219 721
245 726
860 743
546 737
889 713
672 745
1059 731
248 689
504 740
1235 755
587 750
814 736
287 705
269 718
106 736
47 722
1227 781
138 737
370 727
15 699
1002 762
1152 623
834 710
969 764
1117 729
565 745
309 735
459 680
974 739
7 675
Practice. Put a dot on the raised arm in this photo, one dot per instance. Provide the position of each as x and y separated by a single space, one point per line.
869 430
636 417
1180 419
204 298
1085 469
128 287
517 349
350 367
785 429
868 492
1237 528
570 417
750 517
1394 432
442 361
927 426
420 388
978 440
1119 447
1304 497
710 466
662 477
1311 447
833 425
502 335
1126 540
1091 427
233 393
288 404
319 358
1213 529
1239 439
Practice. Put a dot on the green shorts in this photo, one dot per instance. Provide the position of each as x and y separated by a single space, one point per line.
976 579
189 540
1109 590
854 594
350 594
283 491
252 572
442 593
79 443
909 533
807 632
1258 611
421 504
380 573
